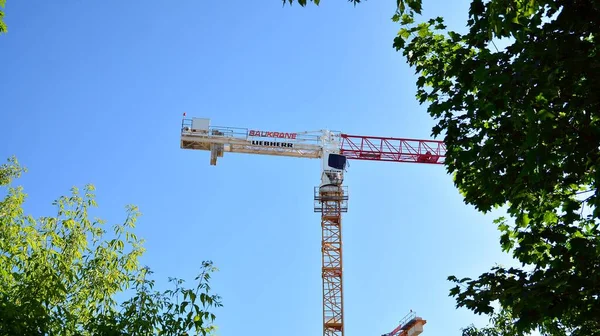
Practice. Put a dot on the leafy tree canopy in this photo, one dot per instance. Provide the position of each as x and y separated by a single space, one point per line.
2 24
522 128
59 275
501 324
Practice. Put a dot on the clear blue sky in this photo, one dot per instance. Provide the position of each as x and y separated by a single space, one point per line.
93 92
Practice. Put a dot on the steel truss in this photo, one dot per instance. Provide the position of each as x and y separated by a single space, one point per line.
331 202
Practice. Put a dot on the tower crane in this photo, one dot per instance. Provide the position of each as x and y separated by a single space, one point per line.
330 196
410 325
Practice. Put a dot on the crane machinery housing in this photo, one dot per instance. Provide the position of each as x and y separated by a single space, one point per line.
330 196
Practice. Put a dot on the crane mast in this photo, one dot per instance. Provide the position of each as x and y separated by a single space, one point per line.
330 196
331 201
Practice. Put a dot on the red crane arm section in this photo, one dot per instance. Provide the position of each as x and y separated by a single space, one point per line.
358 147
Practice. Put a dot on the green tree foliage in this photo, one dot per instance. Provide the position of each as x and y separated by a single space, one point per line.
500 325
60 275
3 28
522 129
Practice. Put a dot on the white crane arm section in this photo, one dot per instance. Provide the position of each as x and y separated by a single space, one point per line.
196 133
